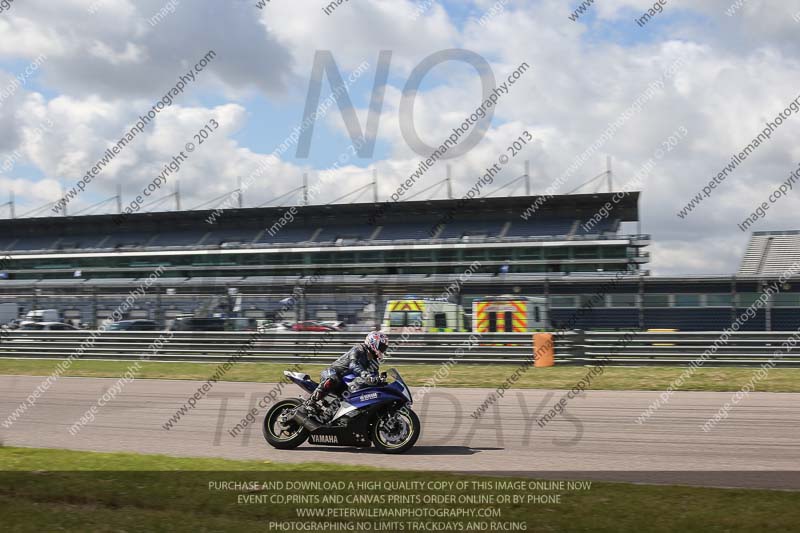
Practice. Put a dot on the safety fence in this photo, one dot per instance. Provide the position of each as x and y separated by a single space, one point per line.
581 348
278 347
679 348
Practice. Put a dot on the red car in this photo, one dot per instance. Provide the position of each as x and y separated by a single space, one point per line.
310 325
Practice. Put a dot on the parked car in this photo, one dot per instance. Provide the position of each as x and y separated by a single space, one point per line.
335 324
133 325
198 324
275 326
311 325
46 326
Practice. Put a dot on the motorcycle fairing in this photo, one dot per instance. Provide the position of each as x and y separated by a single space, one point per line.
303 380
354 432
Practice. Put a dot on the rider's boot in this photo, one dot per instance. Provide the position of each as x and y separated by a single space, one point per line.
311 405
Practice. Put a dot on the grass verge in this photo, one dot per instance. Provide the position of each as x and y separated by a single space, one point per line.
60 490
461 375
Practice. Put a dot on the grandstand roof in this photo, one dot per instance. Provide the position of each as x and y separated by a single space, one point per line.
506 208
770 253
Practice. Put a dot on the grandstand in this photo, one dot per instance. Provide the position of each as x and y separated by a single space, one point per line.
348 268
335 239
770 253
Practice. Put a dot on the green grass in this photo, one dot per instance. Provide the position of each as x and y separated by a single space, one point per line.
461 375
60 490
46 459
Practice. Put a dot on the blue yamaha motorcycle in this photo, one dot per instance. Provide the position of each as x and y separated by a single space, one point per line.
379 415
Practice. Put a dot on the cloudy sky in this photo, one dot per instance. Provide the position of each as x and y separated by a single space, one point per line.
718 70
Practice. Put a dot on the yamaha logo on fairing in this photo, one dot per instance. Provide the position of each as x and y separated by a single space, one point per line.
325 439
370 396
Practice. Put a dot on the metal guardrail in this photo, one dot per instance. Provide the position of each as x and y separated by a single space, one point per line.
275 347
576 348
681 348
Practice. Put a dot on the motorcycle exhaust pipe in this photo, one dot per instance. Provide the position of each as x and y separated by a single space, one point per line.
302 418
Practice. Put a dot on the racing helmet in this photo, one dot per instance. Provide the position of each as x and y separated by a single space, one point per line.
377 342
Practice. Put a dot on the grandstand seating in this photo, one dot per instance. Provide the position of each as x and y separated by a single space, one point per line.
32 243
287 235
770 253
605 226
404 231
456 230
335 232
541 226
217 237
118 240
178 238
79 242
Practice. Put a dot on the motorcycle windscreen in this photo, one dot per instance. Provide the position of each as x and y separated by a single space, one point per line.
399 384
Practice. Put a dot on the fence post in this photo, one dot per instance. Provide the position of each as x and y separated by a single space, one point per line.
579 344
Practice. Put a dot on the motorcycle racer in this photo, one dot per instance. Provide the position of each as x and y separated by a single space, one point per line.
363 360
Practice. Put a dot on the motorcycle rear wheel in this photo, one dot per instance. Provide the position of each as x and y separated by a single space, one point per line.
289 436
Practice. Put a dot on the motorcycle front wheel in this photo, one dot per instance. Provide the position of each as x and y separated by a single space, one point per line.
396 431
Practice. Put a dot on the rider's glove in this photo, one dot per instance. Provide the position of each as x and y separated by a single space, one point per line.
356 384
371 379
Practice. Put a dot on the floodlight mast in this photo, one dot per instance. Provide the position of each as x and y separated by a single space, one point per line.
10 203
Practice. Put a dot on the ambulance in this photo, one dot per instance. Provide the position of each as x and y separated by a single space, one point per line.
422 315
509 313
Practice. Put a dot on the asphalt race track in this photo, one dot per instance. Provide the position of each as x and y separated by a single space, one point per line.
757 446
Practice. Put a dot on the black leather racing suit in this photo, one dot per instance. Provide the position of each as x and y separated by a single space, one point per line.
357 360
